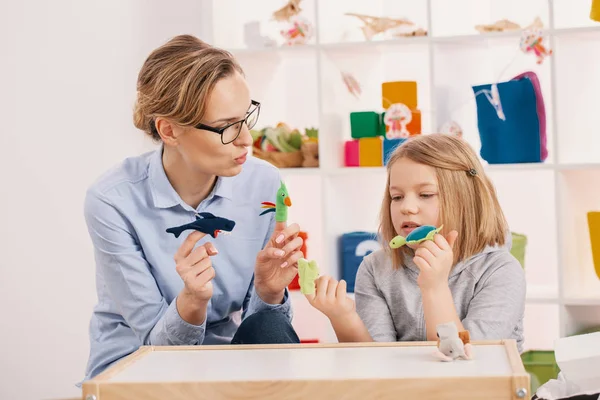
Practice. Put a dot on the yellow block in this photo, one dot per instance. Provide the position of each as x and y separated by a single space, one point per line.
594 227
595 12
404 92
370 152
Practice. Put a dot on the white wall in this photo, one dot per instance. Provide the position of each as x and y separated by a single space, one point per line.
67 83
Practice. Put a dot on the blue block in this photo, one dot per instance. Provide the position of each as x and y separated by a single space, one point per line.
517 138
353 247
389 145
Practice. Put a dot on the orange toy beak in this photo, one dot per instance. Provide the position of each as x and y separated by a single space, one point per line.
287 202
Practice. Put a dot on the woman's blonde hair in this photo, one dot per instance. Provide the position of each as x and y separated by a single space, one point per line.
468 202
176 81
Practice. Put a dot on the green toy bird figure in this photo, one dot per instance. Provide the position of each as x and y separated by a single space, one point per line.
280 207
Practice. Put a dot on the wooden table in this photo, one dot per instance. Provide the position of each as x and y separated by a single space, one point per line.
313 371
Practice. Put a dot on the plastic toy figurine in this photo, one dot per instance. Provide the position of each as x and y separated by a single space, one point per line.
280 207
206 223
397 116
300 32
452 344
423 232
308 271
531 41
452 128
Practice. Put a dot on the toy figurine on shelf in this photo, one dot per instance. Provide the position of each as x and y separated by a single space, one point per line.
531 42
299 33
351 84
375 25
291 9
452 128
397 116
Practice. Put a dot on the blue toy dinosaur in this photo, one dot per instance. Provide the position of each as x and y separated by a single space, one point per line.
208 224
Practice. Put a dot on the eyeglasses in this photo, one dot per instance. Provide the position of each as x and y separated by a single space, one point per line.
231 132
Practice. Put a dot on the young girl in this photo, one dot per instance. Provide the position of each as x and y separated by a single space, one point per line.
465 275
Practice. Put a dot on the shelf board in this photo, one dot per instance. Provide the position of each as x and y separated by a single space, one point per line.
583 301
559 32
356 170
272 50
487 167
575 167
476 38
376 44
520 166
480 37
541 300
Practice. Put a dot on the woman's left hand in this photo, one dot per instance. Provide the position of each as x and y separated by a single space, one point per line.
277 264
434 259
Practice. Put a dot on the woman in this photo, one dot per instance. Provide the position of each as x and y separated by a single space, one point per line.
158 289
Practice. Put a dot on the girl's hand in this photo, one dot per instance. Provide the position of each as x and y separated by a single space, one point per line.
435 258
330 298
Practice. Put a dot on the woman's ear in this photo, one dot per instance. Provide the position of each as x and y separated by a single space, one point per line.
166 130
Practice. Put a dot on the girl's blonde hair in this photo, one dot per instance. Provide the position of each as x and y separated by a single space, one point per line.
468 202
176 81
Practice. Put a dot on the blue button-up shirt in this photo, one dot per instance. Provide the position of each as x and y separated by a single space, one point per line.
127 212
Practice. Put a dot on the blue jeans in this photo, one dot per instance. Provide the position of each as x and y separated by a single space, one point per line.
265 327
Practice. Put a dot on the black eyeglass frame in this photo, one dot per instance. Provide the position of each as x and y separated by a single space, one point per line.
245 120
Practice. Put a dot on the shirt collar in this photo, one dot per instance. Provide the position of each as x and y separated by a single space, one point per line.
165 196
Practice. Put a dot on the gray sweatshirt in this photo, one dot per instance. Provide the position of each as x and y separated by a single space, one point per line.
488 291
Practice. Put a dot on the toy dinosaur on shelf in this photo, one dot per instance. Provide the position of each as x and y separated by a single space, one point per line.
505 25
375 25
292 8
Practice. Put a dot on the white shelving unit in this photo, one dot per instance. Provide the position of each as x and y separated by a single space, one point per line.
548 202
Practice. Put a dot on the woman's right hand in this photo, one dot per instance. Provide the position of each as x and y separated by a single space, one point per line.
195 268
331 299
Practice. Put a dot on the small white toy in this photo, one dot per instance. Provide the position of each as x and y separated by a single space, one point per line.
453 345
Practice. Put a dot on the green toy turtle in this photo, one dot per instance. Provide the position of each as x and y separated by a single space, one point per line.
423 232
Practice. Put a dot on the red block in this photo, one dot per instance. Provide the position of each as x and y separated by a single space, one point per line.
295 285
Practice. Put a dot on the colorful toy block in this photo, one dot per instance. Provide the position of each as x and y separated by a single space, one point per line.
414 127
370 152
351 152
399 92
364 124
382 126
389 145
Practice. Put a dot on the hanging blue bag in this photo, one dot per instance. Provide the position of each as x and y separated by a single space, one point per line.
517 138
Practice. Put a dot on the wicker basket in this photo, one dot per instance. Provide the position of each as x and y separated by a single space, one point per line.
292 159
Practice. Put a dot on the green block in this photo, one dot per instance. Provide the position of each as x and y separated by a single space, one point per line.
364 124
382 124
